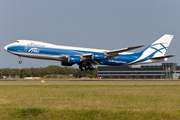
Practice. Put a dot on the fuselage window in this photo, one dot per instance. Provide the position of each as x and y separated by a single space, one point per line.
17 41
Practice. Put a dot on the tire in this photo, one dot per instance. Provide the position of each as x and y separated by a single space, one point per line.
20 61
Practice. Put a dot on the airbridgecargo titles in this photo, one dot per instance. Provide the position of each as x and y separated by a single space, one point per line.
86 58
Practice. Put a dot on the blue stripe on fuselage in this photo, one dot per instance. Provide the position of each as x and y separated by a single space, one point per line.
46 51
119 60
122 59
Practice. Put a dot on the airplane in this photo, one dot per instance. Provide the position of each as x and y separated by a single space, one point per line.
86 58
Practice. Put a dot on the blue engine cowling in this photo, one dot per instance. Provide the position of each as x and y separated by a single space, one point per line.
98 56
74 59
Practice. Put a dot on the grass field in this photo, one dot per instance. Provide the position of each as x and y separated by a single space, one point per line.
90 100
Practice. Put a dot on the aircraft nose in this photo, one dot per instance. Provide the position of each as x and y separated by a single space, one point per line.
5 48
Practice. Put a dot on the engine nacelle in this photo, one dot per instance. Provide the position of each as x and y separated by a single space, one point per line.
74 59
98 56
66 63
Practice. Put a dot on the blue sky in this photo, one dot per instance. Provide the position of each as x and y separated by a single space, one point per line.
94 23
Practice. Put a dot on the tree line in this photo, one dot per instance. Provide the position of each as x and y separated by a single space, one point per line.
50 70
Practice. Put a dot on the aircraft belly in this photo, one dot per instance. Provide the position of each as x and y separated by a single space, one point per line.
37 56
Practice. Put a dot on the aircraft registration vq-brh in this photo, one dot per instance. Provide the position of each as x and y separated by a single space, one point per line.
87 57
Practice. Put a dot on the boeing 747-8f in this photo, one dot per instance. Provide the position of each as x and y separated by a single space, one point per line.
87 57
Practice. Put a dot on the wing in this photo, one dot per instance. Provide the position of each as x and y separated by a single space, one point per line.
95 58
114 53
107 54
63 57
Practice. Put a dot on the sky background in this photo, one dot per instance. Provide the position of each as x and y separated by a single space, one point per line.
104 24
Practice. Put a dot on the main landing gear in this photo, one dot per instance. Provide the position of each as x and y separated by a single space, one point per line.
20 61
85 67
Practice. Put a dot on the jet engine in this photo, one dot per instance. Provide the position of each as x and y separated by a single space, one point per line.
98 56
74 59
71 60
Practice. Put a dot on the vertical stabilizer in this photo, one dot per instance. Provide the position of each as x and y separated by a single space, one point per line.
159 47
156 50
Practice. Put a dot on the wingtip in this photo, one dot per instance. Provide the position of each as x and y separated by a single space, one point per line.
170 35
136 47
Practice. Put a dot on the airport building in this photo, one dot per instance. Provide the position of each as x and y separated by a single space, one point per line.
164 71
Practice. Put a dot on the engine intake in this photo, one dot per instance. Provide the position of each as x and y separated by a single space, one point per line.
98 56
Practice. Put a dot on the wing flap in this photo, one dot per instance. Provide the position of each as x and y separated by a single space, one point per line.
87 56
64 57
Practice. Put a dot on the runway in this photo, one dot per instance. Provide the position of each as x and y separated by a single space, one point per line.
106 80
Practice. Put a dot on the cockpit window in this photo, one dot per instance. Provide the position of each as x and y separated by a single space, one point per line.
17 41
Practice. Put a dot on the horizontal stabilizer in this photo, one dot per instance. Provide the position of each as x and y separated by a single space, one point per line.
161 57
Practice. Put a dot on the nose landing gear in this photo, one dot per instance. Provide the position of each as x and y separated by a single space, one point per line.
20 61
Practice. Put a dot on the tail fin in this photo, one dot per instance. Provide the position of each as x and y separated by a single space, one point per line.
159 47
